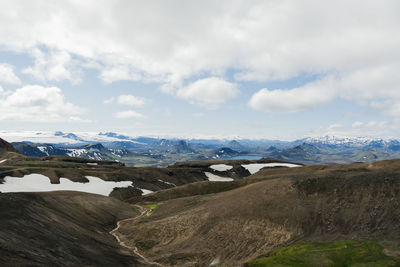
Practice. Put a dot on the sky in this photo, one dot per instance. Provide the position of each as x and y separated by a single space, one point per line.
249 69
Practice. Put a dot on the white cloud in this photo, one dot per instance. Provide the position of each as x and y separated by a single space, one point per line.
127 100
111 74
258 41
54 66
35 103
129 114
375 87
306 97
78 119
7 74
208 92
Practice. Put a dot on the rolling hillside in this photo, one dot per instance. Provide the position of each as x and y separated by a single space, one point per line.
62 229
271 209
263 212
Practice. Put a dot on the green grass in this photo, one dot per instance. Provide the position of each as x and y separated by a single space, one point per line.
153 207
365 253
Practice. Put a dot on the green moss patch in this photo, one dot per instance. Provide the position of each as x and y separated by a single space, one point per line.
153 206
333 254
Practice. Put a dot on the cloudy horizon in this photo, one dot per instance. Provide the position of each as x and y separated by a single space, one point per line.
254 69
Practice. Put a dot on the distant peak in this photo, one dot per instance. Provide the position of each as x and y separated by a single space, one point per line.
94 146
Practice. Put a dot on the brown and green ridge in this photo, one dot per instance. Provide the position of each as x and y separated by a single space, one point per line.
271 209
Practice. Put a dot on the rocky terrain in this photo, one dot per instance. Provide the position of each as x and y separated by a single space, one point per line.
62 229
6 147
273 208
269 216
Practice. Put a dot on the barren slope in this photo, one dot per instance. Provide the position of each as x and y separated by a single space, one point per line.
62 229
276 207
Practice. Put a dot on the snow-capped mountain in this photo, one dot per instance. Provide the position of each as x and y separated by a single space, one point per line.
94 151
344 141
161 151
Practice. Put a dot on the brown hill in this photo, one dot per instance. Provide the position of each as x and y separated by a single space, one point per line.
76 169
62 229
71 228
198 223
6 147
272 208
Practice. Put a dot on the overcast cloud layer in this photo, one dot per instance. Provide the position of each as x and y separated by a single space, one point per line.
205 53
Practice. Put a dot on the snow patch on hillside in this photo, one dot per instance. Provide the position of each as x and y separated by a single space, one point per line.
221 167
216 178
40 183
43 149
76 152
165 182
255 167
145 191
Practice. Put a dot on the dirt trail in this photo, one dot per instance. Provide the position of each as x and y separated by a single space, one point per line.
143 212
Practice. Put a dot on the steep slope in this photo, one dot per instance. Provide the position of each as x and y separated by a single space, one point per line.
182 146
94 151
303 152
29 150
6 147
224 152
235 145
95 147
62 229
274 208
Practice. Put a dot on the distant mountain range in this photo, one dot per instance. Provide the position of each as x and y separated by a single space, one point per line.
152 151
